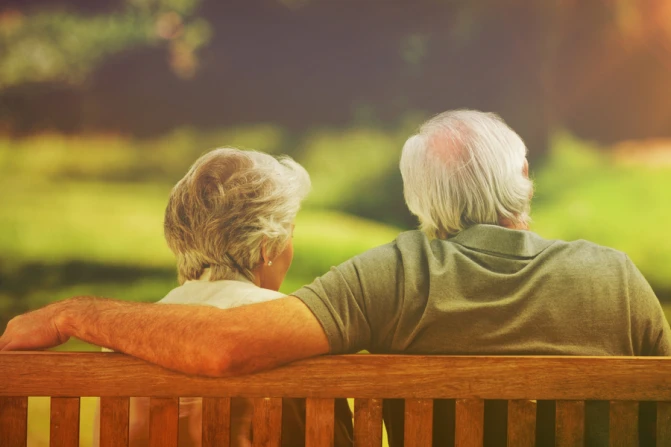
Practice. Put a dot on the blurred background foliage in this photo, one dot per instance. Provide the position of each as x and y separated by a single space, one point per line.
104 105
56 45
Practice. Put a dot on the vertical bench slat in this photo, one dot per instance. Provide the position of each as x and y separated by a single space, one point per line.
64 426
163 422
13 421
367 422
469 423
114 421
267 422
418 422
522 423
664 424
570 423
319 422
216 421
623 423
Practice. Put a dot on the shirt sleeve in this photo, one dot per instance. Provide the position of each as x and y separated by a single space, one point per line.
650 330
353 298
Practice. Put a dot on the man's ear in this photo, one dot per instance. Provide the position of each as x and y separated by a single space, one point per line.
525 168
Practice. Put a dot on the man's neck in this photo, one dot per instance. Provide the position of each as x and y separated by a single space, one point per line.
507 223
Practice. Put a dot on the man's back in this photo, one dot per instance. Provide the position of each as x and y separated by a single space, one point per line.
490 290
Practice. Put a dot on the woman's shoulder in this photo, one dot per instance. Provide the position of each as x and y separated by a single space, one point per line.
242 293
223 294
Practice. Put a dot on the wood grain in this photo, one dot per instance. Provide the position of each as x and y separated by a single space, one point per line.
13 421
216 422
163 422
368 423
358 376
623 424
114 421
418 425
267 422
664 424
522 423
570 423
319 422
469 425
64 425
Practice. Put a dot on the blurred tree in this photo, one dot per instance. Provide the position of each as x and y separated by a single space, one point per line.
61 46
599 69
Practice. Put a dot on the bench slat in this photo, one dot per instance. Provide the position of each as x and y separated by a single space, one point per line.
64 425
13 421
267 422
623 423
319 422
367 422
664 424
216 421
163 422
469 423
570 423
360 376
114 421
418 427
522 423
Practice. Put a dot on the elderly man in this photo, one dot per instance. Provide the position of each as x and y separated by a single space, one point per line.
474 280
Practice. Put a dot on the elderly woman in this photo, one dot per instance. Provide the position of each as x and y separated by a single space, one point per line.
230 223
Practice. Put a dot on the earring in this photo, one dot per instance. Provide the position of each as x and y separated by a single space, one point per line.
270 263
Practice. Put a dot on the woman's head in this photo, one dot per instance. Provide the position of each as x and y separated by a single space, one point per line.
233 212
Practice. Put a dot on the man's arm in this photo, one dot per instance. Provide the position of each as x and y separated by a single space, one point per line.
650 331
199 340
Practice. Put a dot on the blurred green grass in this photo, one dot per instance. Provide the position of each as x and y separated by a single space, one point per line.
99 199
582 192
83 215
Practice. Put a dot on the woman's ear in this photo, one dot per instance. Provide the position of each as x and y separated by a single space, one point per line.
264 252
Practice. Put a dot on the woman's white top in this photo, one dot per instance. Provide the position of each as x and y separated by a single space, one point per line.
223 294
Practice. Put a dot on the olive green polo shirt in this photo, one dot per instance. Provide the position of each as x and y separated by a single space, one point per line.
489 290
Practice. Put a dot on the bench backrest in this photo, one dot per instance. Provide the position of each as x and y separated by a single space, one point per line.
624 381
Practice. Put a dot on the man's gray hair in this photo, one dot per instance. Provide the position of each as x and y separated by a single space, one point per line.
462 168
228 204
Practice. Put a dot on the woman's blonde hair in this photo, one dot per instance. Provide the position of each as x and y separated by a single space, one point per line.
228 205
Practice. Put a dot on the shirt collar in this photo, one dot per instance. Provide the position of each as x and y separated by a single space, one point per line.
500 240
205 276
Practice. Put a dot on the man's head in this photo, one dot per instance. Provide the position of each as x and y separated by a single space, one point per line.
233 212
466 167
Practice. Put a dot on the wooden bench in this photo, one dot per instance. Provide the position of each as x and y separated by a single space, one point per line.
624 381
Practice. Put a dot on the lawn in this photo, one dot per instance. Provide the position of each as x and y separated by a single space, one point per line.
84 215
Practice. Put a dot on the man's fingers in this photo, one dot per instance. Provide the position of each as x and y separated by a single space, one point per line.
4 339
4 342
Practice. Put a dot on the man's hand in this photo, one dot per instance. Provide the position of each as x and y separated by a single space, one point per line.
34 330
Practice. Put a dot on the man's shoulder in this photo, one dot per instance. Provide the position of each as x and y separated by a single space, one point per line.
413 241
416 241
410 240
586 262
588 251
